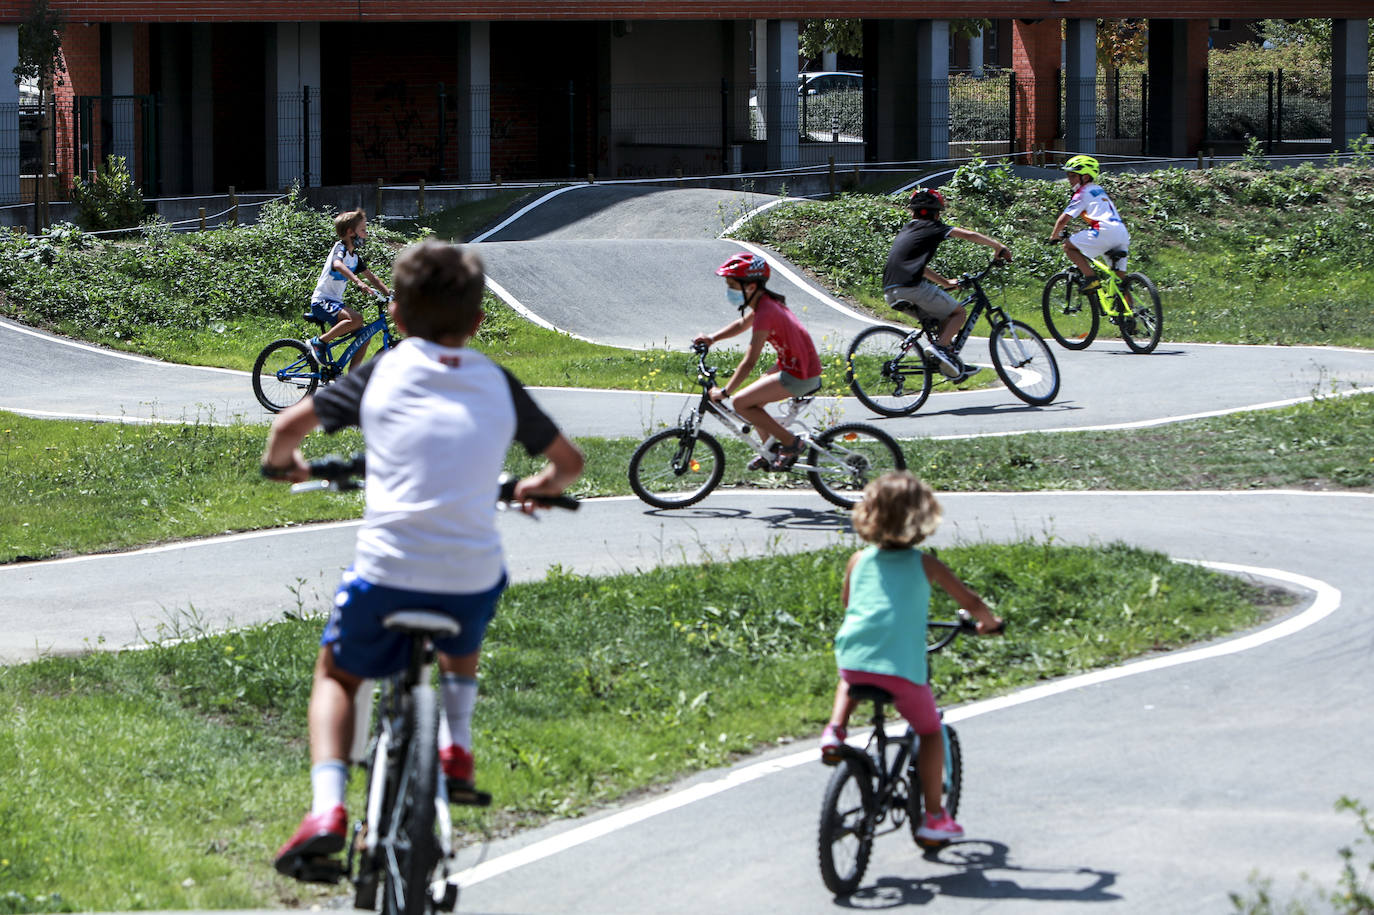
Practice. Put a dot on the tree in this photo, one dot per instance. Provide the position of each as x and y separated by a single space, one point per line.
40 59
846 36
1120 42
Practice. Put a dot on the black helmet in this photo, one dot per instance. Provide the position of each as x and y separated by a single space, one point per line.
925 202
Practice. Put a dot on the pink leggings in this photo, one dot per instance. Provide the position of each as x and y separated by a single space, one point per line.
913 700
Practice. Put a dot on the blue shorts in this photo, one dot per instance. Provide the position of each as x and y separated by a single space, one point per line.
325 312
364 648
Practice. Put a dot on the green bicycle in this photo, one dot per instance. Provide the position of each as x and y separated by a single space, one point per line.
1130 302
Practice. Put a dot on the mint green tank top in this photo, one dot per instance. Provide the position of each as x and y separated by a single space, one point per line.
884 628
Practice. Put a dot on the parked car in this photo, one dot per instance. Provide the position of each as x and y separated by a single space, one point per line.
822 82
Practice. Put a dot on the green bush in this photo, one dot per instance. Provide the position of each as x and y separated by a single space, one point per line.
109 200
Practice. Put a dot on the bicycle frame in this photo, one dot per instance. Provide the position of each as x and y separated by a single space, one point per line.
360 337
981 305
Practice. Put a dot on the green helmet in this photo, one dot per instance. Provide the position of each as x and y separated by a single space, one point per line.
1083 165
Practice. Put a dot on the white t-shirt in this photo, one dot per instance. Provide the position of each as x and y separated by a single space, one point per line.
1093 204
438 422
331 284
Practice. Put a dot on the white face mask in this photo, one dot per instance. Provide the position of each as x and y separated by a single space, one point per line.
734 296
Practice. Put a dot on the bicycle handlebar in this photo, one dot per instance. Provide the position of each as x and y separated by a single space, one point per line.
953 628
340 474
968 279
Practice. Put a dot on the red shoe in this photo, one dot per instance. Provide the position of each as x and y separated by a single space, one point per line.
457 765
319 835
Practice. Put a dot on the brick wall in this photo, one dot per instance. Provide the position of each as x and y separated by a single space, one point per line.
81 55
1035 55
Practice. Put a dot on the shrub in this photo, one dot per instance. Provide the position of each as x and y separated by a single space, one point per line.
109 200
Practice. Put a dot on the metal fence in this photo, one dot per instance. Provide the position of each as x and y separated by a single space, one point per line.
1274 107
982 108
1121 104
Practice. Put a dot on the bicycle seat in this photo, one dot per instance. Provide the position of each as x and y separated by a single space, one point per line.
869 694
310 316
425 622
1116 254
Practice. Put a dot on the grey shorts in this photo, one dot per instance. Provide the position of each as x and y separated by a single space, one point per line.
799 387
928 298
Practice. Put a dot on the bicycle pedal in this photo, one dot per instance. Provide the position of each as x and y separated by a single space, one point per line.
319 870
448 901
467 795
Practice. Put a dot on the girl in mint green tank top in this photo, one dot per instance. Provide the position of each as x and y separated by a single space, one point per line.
882 641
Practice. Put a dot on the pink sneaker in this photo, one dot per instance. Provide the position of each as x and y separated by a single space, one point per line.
832 738
457 764
940 827
319 835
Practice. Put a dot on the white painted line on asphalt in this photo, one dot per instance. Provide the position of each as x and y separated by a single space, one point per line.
99 418
134 357
752 213
523 210
504 295
806 287
1326 601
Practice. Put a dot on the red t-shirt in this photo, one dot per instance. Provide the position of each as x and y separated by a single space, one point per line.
796 353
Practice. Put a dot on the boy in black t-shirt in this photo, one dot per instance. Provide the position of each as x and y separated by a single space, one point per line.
910 285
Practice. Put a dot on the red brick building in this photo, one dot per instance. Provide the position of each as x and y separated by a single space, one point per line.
200 95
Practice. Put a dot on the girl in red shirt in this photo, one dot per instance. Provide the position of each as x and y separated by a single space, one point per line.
797 371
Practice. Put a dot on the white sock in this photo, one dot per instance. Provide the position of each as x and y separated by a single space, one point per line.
328 779
455 725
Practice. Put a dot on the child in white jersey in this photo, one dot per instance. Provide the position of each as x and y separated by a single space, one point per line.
882 641
1105 231
344 265
438 419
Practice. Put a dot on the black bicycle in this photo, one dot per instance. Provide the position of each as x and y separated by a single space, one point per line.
680 466
875 790
891 373
402 845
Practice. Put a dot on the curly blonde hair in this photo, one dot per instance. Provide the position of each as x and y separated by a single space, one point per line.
898 511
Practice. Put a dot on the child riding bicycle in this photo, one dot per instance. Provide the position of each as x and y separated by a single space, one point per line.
908 279
438 419
886 595
343 266
1105 232
797 372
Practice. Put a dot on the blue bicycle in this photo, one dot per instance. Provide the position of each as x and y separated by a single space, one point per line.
286 371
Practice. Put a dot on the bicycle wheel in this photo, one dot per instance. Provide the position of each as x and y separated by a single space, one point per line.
676 468
1069 314
284 374
1144 322
846 828
847 457
410 848
1024 362
950 793
887 378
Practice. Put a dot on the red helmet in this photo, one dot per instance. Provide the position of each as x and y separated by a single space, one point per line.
926 199
745 267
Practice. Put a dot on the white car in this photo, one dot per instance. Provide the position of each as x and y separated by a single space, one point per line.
821 82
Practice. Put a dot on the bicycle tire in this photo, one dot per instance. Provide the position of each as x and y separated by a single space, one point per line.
877 369
1070 316
666 470
866 452
951 792
413 849
1024 362
284 374
1143 325
845 837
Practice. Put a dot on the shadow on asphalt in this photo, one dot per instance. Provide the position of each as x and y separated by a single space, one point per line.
1007 409
974 861
790 518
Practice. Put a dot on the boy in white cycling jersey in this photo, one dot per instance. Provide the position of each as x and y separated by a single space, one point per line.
438 419
1105 232
344 265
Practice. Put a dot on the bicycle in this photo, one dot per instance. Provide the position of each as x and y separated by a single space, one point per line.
680 466
878 785
883 360
286 371
1073 316
405 833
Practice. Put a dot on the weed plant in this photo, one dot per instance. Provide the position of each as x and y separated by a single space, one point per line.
1354 892
193 753
85 487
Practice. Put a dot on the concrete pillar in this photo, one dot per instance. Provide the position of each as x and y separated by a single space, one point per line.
1080 86
932 89
1349 81
975 54
474 101
202 110
891 85
830 60
122 107
1035 55
1176 122
780 106
293 67
9 115
172 117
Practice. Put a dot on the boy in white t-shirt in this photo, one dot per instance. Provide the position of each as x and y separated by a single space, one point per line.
1105 232
438 419
344 265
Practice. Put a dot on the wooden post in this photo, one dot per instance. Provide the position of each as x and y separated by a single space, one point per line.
233 207
420 199
498 179
377 201
202 219
832 176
